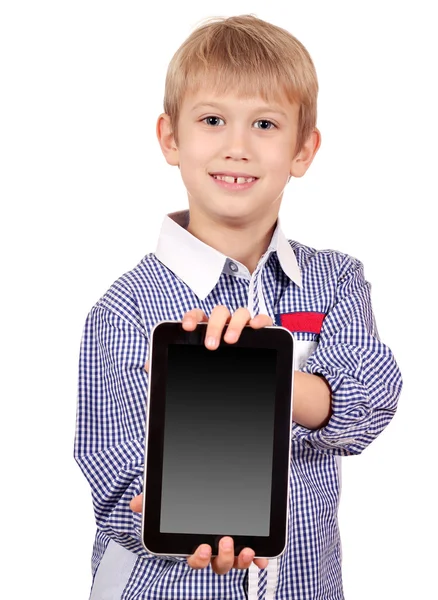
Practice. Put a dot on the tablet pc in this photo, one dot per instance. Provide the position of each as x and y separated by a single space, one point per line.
218 441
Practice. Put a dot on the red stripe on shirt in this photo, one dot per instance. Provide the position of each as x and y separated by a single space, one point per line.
309 322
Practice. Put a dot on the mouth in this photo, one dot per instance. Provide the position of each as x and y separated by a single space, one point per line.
231 179
234 182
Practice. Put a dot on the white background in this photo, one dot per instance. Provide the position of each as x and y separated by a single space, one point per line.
84 188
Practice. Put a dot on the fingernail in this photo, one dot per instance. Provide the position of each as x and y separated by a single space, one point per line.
204 553
227 544
247 556
211 342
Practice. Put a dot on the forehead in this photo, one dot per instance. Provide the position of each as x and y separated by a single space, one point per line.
207 97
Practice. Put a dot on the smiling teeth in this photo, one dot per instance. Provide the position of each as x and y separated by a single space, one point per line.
228 179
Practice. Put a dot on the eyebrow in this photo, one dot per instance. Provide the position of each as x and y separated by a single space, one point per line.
257 109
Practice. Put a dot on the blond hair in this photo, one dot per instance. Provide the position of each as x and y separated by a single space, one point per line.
247 55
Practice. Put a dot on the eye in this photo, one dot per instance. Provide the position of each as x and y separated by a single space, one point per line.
213 121
264 124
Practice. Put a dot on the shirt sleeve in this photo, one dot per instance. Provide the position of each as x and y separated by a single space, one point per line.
111 419
364 378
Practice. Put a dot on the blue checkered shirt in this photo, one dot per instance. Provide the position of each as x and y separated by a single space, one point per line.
290 279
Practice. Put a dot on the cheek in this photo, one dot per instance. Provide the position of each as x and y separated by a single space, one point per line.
193 163
196 152
278 159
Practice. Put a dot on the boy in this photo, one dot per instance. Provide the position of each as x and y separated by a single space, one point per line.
239 122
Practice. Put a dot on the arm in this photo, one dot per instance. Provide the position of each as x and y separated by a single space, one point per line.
311 400
109 443
363 377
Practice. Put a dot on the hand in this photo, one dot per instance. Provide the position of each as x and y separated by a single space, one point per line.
224 561
220 315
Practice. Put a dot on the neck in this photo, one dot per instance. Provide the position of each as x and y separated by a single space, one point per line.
245 244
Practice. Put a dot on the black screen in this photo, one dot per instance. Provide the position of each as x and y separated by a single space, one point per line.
218 440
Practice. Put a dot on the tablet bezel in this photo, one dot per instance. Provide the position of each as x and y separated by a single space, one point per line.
179 544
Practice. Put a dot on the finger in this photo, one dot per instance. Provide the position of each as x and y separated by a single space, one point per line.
262 563
192 318
218 317
136 503
260 321
238 321
201 558
225 559
245 559
146 366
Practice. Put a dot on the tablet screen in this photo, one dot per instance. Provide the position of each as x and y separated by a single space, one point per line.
218 440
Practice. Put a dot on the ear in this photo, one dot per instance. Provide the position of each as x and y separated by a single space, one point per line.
167 140
302 161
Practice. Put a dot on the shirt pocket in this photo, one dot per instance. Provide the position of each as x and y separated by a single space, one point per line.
303 349
305 327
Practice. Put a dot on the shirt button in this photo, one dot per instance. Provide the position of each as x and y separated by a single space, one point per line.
233 266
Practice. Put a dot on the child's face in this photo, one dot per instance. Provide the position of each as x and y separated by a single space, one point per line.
229 136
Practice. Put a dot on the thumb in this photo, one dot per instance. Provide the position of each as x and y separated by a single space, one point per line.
136 503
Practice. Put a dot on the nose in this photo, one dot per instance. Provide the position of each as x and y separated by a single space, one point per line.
237 144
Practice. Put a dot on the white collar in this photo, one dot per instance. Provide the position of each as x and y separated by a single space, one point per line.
200 266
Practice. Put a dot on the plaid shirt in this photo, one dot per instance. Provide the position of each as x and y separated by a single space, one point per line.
323 298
